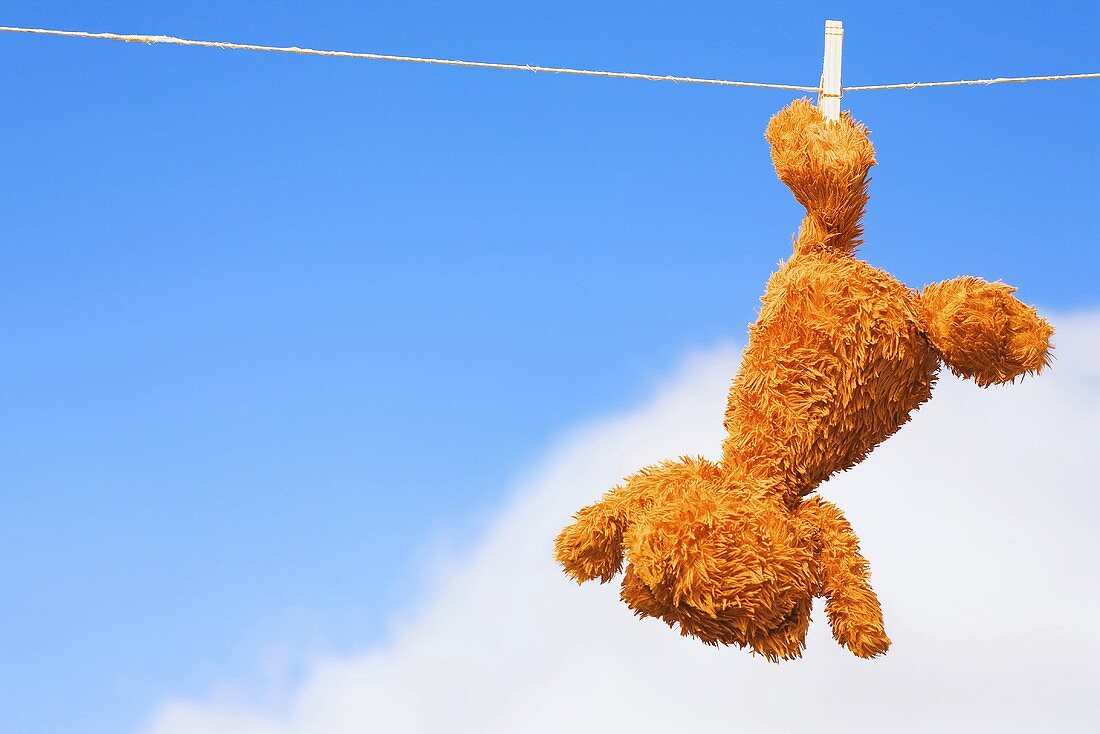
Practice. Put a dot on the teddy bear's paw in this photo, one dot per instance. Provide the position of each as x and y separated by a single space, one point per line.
858 627
867 643
591 547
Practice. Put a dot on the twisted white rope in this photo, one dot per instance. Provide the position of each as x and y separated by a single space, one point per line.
132 38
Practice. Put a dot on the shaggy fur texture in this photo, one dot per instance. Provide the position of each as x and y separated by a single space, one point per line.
734 552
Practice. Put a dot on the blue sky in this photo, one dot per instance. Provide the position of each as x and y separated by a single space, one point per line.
275 325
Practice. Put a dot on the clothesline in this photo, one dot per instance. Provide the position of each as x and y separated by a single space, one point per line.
132 38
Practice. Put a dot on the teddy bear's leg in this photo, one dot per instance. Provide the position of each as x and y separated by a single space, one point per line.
983 332
825 164
850 603
592 547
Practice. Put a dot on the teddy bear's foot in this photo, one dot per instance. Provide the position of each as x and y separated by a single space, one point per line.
983 332
825 164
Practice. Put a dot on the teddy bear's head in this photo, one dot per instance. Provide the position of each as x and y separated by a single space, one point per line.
725 572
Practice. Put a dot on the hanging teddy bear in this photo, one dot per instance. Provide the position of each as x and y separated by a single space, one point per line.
734 552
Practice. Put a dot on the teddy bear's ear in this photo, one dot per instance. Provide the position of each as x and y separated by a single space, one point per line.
983 332
825 165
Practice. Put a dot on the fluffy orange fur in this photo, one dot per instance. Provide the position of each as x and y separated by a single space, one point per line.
734 552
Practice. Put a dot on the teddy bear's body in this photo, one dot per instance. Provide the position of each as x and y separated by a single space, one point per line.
734 552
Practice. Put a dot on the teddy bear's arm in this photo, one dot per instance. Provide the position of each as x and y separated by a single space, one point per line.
592 547
850 602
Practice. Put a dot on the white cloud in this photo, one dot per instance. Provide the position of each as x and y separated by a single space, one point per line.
980 520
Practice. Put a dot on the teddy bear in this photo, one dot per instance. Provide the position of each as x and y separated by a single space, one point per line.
733 552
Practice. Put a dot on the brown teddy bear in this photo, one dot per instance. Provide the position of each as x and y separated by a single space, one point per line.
735 551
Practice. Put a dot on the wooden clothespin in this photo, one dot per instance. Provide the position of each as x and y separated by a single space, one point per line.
828 99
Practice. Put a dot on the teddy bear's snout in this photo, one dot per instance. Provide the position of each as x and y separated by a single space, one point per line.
717 558
679 568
